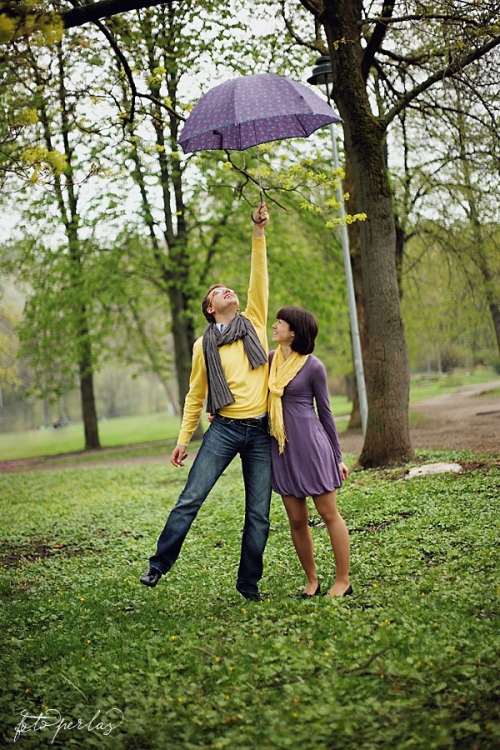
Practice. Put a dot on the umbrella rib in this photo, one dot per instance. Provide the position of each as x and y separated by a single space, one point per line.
306 134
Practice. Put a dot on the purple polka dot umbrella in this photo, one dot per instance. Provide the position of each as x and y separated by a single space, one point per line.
254 109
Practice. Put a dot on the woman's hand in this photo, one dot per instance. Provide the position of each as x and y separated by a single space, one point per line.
343 470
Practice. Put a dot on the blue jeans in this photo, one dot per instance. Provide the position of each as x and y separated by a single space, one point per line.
223 440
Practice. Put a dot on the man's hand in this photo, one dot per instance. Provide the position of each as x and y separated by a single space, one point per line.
179 455
260 219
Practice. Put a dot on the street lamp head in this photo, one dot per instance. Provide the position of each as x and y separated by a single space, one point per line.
322 72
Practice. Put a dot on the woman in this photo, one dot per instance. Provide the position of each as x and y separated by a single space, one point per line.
306 457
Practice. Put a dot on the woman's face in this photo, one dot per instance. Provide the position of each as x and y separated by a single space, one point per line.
282 333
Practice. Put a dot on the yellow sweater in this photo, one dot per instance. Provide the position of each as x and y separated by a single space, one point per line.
249 387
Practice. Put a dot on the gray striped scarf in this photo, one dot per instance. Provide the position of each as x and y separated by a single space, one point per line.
219 394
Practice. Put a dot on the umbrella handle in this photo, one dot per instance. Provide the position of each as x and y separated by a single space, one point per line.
256 222
258 173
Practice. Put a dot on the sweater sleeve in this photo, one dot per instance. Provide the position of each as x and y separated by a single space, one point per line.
198 387
322 398
258 289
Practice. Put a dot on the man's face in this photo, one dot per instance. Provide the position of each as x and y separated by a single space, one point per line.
222 300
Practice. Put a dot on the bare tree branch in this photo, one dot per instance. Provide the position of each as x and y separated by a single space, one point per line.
449 71
130 78
103 9
376 39
389 20
78 16
318 46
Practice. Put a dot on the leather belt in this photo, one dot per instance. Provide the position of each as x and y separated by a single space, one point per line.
259 422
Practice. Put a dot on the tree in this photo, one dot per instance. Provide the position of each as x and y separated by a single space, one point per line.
449 144
407 52
8 348
447 319
163 46
59 332
176 253
21 18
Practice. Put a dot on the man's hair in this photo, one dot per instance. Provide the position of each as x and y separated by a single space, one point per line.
305 326
205 303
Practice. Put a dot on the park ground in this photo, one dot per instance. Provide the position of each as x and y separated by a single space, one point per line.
467 418
89 658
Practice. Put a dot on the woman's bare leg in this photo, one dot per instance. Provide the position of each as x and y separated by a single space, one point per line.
326 505
298 517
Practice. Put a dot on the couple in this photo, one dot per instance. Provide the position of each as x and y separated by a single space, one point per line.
230 369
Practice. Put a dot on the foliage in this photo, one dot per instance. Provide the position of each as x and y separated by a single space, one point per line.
151 240
153 271
452 181
444 308
29 17
190 664
8 347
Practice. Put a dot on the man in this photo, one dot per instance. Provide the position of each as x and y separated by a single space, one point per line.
230 369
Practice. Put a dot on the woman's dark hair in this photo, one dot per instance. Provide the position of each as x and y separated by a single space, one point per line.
304 325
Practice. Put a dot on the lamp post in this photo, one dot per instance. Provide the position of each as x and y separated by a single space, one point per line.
321 76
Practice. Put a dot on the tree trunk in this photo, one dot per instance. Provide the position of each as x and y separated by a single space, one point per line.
495 315
387 367
69 214
176 269
184 338
89 414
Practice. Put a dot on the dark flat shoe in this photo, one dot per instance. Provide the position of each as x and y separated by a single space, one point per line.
347 592
310 596
151 577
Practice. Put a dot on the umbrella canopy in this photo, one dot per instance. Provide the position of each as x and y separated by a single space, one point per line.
254 109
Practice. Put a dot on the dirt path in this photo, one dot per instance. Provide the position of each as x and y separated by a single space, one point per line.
464 420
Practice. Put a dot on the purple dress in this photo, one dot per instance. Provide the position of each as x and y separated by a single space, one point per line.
309 465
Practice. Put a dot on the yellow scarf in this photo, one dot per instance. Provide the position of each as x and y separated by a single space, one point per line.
281 373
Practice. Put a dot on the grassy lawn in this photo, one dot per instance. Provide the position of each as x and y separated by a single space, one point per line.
158 428
411 660
423 387
116 432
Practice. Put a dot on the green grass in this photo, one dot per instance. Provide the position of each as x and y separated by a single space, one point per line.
411 661
494 393
116 432
157 428
423 387
113 433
